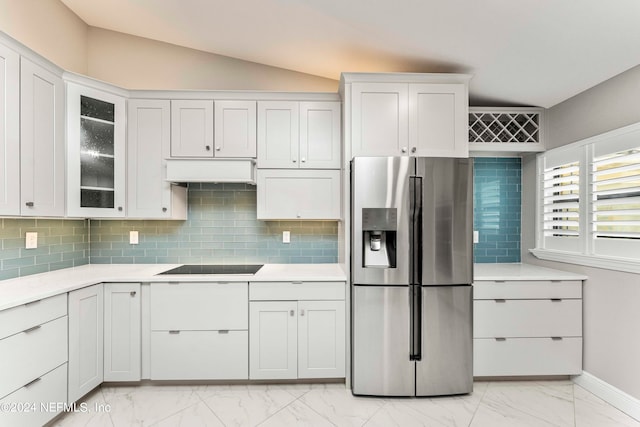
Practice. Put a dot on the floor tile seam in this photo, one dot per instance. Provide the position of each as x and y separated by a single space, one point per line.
105 401
384 404
575 412
475 411
298 399
209 407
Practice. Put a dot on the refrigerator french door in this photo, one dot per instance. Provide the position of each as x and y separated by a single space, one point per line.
412 268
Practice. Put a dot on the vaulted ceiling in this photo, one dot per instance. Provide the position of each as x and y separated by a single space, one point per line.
525 52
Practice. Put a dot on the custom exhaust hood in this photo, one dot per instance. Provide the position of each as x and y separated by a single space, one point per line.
211 170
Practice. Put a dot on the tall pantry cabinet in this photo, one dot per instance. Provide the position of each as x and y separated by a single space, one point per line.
9 131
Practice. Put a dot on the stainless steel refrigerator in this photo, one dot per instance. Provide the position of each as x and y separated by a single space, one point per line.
411 274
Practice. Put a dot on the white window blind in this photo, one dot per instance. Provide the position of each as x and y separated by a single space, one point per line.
616 195
561 201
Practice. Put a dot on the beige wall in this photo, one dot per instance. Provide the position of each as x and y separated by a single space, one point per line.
139 63
611 299
49 28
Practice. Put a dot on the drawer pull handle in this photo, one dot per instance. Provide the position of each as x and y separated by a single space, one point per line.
556 338
556 281
30 383
499 281
296 283
556 299
32 302
223 283
174 332
500 300
500 339
174 283
35 328
133 293
223 331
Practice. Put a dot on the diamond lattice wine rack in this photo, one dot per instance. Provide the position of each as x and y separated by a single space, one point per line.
508 129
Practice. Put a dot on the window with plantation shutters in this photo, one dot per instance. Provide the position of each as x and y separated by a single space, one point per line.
589 201
561 200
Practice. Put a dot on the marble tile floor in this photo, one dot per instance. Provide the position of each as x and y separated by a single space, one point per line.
492 404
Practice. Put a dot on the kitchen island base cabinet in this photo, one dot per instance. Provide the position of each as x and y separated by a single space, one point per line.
86 357
122 345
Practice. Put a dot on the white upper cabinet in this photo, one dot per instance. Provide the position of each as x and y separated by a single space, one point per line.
9 131
438 120
294 135
96 153
42 148
407 114
149 194
235 129
191 128
379 119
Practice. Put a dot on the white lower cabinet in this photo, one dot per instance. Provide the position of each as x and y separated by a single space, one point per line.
199 331
86 358
122 343
33 362
298 338
527 328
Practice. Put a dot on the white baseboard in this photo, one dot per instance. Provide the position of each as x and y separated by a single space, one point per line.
610 394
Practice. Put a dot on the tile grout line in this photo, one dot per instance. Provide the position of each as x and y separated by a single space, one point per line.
479 403
209 407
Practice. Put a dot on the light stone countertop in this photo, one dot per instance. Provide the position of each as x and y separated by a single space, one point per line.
14 292
521 272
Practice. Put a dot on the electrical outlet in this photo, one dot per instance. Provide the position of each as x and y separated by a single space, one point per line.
476 236
31 240
133 237
286 237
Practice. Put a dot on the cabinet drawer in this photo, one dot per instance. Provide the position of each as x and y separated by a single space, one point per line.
50 391
527 289
26 316
200 355
527 356
527 318
27 355
199 306
296 291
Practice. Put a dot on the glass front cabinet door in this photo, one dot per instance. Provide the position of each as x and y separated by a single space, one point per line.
96 153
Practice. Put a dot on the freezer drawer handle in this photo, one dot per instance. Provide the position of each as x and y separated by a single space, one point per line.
500 339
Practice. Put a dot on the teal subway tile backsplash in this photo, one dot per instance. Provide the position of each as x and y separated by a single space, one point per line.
221 228
61 244
497 207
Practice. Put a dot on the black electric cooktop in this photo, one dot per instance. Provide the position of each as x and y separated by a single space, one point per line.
214 269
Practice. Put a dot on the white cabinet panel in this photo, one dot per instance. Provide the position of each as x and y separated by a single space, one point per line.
296 291
96 153
527 318
301 194
42 145
9 132
438 120
321 339
527 356
46 393
191 128
199 355
319 135
17 319
86 308
199 306
527 289
278 123
122 344
235 129
273 340
29 354
379 119
150 195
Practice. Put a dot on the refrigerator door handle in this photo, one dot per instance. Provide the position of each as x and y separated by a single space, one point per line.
415 224
415 328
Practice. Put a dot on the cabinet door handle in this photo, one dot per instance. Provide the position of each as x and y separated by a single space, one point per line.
500 300
413 149
217 148
132 293
208 147
30 383
174 332
404 149
294 161
164 209
119 208
302 312
303 160
29 204
292 313
35 328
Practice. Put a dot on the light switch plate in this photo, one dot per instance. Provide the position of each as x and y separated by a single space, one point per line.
31 240
286 237
476 236
133 237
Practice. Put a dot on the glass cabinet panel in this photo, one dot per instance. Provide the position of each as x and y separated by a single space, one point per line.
97 171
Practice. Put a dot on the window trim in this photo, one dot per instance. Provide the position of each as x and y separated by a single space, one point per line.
583 152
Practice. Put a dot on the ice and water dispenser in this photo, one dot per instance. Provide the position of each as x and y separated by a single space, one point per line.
379 227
